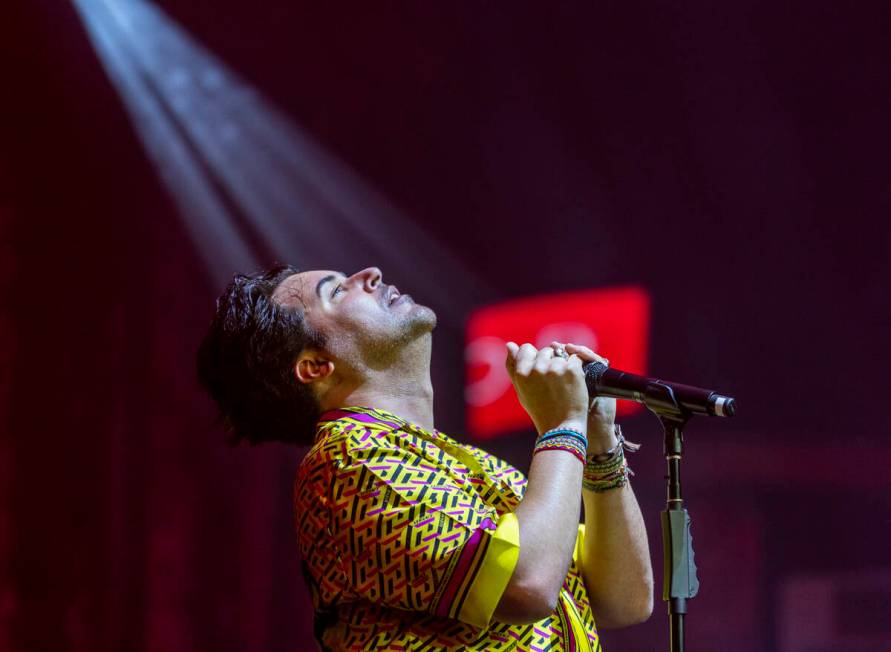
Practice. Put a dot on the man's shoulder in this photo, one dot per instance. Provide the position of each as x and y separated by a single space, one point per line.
350 433
339 444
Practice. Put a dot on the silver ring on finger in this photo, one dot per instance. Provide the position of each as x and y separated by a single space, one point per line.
560 352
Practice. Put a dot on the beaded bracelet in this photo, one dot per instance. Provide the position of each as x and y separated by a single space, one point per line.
609 470
564 439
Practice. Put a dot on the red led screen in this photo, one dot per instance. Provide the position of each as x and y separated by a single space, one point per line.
614 322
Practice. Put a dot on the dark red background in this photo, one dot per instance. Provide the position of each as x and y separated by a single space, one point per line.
730 157
613 321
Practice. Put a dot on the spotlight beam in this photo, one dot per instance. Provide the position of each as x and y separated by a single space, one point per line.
302 203
210 225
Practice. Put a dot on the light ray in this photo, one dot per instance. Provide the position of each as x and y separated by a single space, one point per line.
232 161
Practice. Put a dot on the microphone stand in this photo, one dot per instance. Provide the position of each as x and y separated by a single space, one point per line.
679 569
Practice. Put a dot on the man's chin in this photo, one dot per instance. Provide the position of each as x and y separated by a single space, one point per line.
424 317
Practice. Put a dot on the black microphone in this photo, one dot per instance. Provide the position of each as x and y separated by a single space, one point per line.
655 393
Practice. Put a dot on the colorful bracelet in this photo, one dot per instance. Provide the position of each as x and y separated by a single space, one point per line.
563 439
568 444
598 481
609 470
556 432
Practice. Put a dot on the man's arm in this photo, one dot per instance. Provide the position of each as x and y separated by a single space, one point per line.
548 520
615 561
553 392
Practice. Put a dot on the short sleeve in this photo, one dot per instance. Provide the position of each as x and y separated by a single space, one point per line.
579 545
414 534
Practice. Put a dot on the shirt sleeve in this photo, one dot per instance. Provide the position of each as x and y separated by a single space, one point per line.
415 535
579 546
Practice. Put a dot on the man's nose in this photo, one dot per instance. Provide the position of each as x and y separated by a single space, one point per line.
370 277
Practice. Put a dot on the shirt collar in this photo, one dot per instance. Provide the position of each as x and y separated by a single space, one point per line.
374 417
365 415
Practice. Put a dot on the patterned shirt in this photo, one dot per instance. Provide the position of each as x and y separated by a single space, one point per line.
408 540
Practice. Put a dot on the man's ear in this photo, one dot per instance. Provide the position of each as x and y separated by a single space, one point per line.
312 367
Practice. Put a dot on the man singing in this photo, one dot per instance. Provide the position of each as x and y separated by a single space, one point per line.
411 540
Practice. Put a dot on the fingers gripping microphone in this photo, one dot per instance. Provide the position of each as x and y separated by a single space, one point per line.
603 381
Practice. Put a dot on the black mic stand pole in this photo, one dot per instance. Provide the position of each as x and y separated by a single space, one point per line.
679 581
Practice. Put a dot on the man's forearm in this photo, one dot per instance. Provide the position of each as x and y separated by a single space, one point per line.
548 516
548 521
616 558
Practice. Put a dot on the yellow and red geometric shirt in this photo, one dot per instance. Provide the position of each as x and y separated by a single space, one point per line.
408 540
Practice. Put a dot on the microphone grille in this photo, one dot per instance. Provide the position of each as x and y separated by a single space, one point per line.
594 372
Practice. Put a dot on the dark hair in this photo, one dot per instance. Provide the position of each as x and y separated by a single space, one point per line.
246 362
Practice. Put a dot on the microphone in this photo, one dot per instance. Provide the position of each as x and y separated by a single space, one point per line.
655 393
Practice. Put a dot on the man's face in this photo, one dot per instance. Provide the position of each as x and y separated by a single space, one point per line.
364 319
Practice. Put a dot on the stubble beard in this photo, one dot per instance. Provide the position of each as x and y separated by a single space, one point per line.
410 334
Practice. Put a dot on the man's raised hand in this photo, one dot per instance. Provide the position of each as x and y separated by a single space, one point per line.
602 409
551 389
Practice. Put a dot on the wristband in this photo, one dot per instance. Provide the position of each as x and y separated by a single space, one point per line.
563 439
558 432
609 470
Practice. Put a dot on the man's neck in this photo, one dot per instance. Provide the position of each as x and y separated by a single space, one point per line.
409 398
403 388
